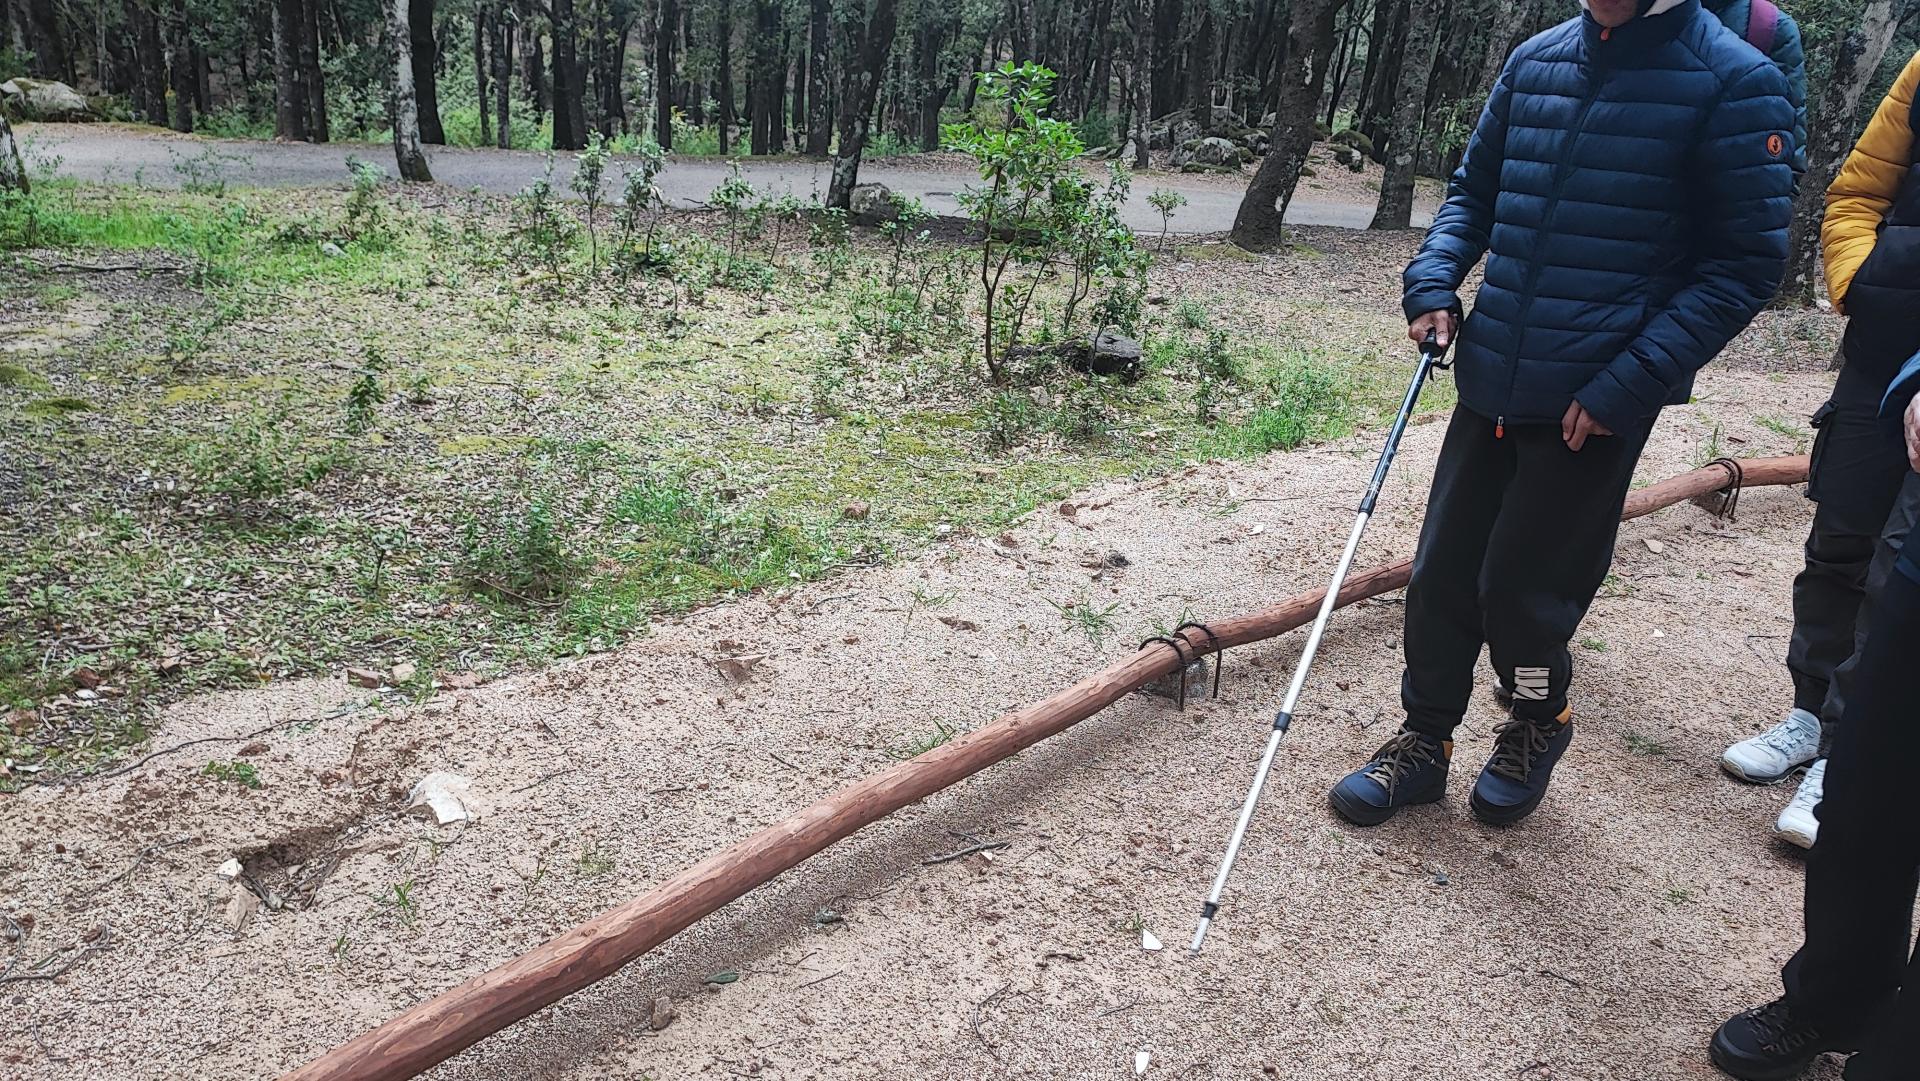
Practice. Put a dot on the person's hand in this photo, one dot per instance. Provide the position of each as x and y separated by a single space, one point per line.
1913 433
1441 323
1578 424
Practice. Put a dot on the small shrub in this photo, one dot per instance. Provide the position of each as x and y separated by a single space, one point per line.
241 773
255 458
512 548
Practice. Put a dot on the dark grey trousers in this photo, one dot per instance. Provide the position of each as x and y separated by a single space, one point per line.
1859 465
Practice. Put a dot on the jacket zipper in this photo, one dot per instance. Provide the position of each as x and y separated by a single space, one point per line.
1561 172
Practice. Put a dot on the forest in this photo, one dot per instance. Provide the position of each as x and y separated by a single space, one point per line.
853 79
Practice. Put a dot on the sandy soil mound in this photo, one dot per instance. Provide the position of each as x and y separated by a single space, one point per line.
1604 939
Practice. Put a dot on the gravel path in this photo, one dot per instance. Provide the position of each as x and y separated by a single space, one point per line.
1603 939
129 155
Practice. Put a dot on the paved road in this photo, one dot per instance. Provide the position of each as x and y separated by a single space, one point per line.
97 152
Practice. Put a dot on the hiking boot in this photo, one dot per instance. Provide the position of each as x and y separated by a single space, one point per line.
1773 755
1767 1043
1796 825
1515 778
1409 769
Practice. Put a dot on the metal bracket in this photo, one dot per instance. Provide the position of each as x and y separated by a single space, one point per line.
1179 673
1213 643
1722 502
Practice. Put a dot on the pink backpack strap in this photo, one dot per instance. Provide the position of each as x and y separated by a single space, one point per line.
1763 18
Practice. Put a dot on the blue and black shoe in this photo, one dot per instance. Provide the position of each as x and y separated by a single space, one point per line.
1410 769
1515 778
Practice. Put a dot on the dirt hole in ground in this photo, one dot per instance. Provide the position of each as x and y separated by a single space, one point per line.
288 874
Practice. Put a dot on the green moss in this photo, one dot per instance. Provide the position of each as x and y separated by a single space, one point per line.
13 375
58 407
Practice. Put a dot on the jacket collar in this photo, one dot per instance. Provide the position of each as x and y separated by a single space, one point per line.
1661 23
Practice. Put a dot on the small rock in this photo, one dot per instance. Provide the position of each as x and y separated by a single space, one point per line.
1148 941
229 870
87 679
404 671
1440 878
445 798
256 748
739 669
985 472
960 624
663 1013
363 677
462 681
332 250
1069 509
1654 546
1140 1061
943 530
856 511
241 908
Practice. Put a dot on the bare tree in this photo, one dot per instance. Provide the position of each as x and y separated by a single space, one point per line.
180 64
1142 76
1309 37
1395 209
289 93
13 174
819 46
425 50
869 41
406 111
1830 132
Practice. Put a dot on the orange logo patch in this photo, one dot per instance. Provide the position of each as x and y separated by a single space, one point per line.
1775 144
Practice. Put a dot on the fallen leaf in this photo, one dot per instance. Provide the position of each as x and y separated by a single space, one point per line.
363 677
959 624
724 976
87 678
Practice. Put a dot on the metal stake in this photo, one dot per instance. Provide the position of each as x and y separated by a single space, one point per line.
1430 359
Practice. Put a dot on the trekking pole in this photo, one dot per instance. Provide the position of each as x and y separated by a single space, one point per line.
1430 359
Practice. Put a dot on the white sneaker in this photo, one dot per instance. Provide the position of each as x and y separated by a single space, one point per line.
1796 824
1773 755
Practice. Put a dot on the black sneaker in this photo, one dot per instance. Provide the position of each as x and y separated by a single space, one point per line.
1409 769
1515 778
1766 1043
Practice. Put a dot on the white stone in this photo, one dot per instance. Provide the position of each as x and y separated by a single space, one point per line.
1147 941
1140 1060
445 798
229 870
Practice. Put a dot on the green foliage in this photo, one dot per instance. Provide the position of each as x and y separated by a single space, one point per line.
366 218
542 231
240 773
915 746
366 394
1308 401
589 182
1038 215
1166 201
641 202
734 198
258 457
511 547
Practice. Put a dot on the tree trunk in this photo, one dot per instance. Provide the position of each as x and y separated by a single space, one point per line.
1831 131
769 75
153 67
819 46
869 43
1256 227
1142 82
1395 209
723 32
797 126
1383 66
1200 71
569 106
426 64
502 77
289 93
13 174
433 1031
313 80
406 111
180 67
663 72
481 35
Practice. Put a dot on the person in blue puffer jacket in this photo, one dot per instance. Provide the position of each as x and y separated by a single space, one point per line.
1761 24
1630 182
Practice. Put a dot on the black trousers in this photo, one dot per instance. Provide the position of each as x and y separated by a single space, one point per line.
1855 976
1518 537
1858 466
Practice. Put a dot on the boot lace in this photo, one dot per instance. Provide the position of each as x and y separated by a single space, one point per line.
1779 1033
1516 742
1397 758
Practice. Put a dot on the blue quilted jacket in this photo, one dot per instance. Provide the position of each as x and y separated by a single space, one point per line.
1631 190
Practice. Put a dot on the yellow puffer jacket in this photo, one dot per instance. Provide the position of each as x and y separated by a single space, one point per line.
1868 183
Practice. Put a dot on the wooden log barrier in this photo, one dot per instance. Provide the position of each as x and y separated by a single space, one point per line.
438 1029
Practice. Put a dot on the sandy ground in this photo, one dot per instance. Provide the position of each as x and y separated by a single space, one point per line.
1603 939
157 158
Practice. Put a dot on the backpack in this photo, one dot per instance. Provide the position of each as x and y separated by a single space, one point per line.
1763 17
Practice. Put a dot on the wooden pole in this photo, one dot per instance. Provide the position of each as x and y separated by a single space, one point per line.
438 1029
